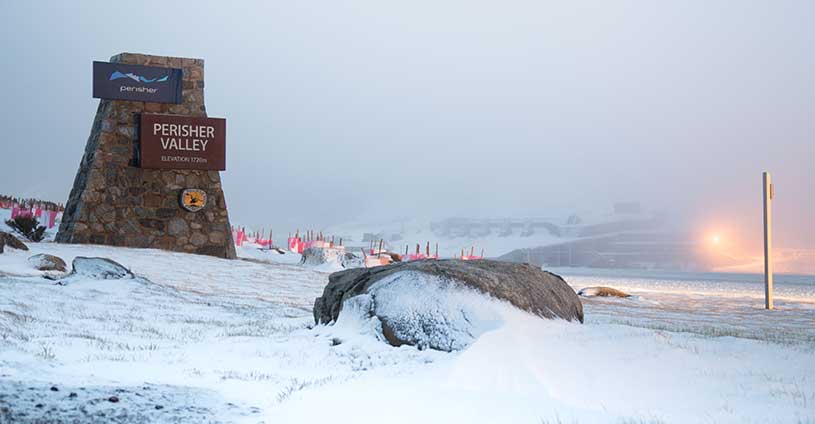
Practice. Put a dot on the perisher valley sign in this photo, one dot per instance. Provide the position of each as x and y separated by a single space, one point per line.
182 142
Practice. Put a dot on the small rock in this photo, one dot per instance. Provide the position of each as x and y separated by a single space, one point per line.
72 395
319 256
159 407
53 275
54 389
39 405
113 399
11 241
45 262
602 292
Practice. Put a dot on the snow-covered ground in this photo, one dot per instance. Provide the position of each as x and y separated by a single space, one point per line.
195 338
703 303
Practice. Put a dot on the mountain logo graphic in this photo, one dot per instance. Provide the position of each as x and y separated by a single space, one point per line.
138 78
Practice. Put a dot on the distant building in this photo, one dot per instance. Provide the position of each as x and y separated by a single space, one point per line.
630 249
627 208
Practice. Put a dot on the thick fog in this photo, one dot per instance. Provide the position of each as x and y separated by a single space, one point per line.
347 111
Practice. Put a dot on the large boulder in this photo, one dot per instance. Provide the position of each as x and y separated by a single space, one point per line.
444 304
45 262
9 240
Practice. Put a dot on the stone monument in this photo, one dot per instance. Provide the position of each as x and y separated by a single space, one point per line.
116 202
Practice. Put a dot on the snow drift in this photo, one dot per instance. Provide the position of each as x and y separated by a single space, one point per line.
423 310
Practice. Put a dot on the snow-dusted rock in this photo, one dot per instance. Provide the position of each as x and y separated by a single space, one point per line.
443 304
351 260
9 240
319 256
602 292
96 269
338 257
46 262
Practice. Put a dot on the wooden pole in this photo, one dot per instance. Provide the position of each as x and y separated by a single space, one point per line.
379 252
769 193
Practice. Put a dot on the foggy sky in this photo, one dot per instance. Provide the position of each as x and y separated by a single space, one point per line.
343 111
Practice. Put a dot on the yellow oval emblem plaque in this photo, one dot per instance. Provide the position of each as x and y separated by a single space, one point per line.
193 199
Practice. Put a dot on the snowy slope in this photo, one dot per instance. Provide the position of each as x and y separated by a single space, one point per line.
231 341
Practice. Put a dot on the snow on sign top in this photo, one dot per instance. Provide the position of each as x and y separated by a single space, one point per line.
182 142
